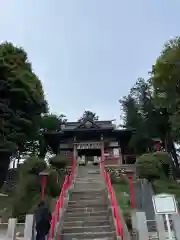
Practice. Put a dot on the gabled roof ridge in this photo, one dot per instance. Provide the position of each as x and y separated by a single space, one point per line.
85 121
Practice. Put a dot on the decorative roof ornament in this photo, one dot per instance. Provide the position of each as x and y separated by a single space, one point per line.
88 124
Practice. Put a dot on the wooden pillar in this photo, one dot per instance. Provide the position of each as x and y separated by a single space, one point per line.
102 151
120 156
74 151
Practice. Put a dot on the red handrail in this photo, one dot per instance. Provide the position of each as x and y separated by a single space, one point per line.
60 202
113 199
133 202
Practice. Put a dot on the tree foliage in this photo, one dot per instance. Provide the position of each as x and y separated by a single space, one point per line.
49 122
153 165
88 115
59 161
166 83
141 114
28 191
152 108
21 103
52 122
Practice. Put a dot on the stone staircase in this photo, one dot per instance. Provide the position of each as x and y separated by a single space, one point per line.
88 214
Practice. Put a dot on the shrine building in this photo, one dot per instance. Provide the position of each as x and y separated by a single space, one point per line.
93 138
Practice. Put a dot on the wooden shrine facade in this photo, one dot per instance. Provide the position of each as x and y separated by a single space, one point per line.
92 137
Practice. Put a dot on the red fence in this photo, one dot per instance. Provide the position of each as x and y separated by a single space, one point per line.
133 202
60 202
113 199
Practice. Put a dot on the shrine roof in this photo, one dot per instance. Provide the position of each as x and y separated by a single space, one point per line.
64 134
54 138
92 124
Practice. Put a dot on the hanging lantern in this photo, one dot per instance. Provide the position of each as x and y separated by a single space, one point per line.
157 144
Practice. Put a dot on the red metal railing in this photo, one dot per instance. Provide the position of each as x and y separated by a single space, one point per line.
60 202
131 187
113 199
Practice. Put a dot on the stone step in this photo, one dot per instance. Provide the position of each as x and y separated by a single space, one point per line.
94 235
81 223
88 218
97 183
87 203
90 186
86 209
87 194
88 229
87 198
93 214
90 178
80 189
92 191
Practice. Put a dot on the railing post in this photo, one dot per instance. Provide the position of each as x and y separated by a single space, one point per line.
132 192
11 231
176 222
160 227
140 225
29 227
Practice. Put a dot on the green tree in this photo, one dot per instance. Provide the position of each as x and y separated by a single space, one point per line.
21 103
88 115
166 84
49 122
134 120
28 190
141 115
52 122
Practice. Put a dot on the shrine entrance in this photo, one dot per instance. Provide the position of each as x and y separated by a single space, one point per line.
89 150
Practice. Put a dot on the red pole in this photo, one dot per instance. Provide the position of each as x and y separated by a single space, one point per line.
158 145
102 156
132 192
43 181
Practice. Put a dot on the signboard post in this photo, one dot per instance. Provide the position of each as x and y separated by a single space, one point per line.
165 204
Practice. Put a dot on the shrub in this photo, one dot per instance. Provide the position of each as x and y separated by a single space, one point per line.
148 167
28 190
59 161
154 165
163 157
127 218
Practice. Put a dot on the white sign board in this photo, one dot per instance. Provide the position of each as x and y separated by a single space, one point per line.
164 204
116 152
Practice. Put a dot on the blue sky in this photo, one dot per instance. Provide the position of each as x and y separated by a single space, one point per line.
88 53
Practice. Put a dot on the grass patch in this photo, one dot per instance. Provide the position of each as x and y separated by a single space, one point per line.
5 208
168 186
122 195
123 200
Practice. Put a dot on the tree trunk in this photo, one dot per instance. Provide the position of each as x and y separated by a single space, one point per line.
171 150
18 158
4 166
14 163
42 148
